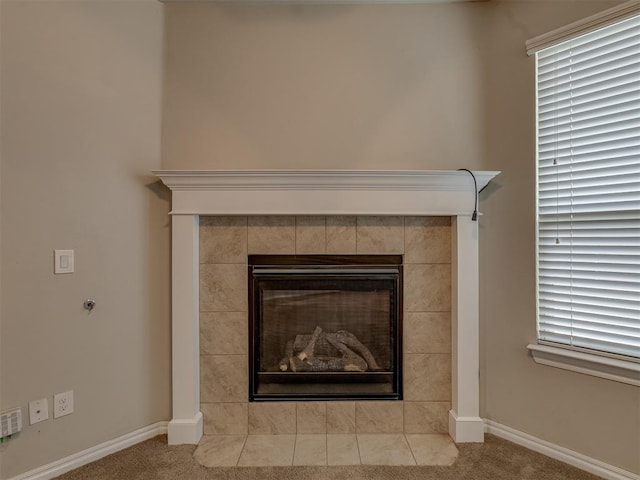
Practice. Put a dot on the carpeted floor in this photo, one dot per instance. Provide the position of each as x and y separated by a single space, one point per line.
496 459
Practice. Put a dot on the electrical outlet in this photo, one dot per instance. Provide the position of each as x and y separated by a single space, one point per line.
63 404
38 411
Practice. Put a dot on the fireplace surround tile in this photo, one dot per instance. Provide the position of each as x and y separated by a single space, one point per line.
385 450
341 234
342 449
223 333
311 417
271 234
426 417
219 450
272 418
223 288
310 234
223 378
427 377
379 417
380 234
341 417
310 450
427 240
223 239
427 332
427 287
225 418
267 451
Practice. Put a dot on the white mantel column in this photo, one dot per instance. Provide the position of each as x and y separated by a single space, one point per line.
465 424
186 424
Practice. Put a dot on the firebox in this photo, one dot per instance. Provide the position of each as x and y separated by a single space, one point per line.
325 327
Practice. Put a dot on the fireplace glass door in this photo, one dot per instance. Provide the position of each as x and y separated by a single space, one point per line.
325 327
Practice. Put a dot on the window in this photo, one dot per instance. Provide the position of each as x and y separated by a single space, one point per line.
588 205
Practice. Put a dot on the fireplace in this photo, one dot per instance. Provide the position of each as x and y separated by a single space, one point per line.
325 192
325 327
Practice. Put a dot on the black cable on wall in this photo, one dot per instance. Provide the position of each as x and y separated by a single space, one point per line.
474 216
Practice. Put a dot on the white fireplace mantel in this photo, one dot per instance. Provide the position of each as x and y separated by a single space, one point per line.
323 192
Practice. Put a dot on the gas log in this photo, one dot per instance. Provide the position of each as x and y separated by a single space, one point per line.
327 352
284 363
307 353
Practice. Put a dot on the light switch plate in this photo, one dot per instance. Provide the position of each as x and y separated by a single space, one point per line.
63 261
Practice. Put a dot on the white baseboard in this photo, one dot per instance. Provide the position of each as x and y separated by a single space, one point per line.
583 462
188 431
51 470
466 429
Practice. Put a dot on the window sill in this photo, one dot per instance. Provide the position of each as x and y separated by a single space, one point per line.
598 366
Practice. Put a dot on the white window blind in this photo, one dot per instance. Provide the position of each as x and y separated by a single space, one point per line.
588 149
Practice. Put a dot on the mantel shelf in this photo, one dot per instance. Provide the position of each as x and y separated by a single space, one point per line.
323 179
323 192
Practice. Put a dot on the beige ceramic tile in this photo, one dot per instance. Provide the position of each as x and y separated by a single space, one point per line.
426 417
427 288
311 417
272 418
223 333
310 235
381 449
427 332
341 417
223 378
379 235
342 450
341 234
271 235
310 450
267 451
427 240
225 418
223 240
219 450
427 377
433 449
379 417
223 288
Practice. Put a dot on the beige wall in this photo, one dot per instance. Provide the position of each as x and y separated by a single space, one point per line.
81 109
322 87
596 417
400 87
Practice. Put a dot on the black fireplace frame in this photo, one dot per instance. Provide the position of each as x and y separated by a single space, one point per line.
321 266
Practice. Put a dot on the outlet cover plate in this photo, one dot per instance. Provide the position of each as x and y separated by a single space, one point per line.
38 411
63 404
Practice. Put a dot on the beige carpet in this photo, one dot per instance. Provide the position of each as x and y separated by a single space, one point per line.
496 459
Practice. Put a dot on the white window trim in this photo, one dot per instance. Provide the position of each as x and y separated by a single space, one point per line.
585 25
624 371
